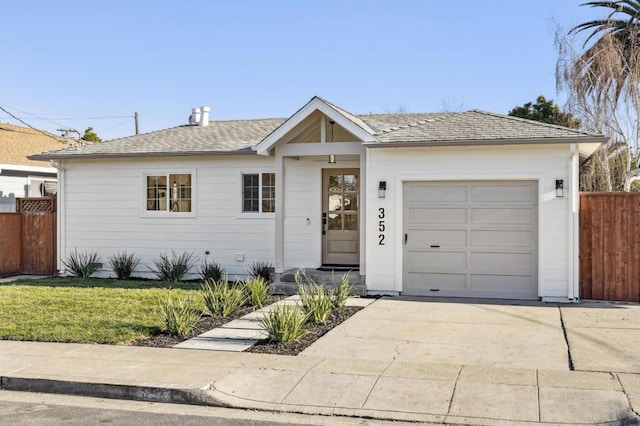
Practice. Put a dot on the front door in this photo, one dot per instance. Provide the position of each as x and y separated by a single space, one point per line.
340 217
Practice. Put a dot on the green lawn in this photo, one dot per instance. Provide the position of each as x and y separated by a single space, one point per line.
83 310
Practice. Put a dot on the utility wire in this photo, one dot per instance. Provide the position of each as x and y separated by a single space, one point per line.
29 125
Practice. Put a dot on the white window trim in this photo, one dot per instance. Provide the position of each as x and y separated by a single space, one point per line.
259 214
159 172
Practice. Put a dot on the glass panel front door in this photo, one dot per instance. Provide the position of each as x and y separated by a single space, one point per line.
341 237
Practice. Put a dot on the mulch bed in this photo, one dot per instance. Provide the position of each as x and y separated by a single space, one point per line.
311 335
206 323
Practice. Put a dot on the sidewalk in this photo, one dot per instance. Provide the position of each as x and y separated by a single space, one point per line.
391 390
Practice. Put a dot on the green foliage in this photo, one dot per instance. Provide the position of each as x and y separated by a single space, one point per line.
92 310
91 136
341 294
262 269
123 264
82 264
220 298
174 268
179 316
285 323
545 112
256 291
317 300
211 271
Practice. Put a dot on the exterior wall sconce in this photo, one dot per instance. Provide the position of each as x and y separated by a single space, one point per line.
332 159
559 188
382 189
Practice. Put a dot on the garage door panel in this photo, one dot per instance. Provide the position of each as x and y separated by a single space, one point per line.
424 284
437 194
442 237
504 216
501 261
502 238
426 215
500 193
436 260
487 237
503 283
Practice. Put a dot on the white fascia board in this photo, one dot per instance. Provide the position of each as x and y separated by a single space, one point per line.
32 169
314 104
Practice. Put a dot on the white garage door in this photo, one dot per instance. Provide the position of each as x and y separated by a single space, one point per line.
470 239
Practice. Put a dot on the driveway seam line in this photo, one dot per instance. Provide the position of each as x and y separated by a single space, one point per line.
300 379
566 340
453 392
538 393
378 378
624 391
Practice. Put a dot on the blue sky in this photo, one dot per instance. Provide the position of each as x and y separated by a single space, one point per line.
66 60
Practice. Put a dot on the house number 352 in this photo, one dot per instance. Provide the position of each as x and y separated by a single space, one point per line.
381 226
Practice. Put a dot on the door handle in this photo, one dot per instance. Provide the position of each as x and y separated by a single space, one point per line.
435 246
324 223
406 236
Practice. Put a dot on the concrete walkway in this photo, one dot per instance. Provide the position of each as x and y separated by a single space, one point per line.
22 277
242 333
396 390
397 359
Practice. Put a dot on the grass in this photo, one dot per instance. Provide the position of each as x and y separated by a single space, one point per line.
84 310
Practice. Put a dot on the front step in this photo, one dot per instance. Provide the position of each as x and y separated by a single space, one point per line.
285 282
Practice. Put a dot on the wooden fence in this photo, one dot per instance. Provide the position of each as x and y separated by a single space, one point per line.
610 246
28 238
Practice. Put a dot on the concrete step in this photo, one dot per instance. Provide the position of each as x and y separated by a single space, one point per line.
285 282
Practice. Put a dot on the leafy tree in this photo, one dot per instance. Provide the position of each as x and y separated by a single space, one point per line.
91 136
545 111
601 79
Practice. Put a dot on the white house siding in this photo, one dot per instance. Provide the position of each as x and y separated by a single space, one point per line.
303 200
12 187
544 163
103 212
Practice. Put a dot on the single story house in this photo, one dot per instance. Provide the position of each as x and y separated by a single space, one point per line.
469 204
19 175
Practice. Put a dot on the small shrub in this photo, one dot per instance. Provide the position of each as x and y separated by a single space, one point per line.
317 302
256 291
174 268
222 299
341 294
285 323
82 264
179 316
123 264
211 271
263 270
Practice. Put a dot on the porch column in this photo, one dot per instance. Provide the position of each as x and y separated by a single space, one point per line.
279 252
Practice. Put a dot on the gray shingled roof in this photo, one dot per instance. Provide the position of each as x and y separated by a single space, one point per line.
240 136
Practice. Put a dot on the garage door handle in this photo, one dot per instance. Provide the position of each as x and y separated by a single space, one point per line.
405 238
435 246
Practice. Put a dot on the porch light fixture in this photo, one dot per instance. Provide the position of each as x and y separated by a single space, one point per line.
559 188
332 159
382 189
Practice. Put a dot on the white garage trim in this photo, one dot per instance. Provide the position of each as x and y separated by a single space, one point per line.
399 209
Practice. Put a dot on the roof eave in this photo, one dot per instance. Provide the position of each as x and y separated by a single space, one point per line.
468 142
61 156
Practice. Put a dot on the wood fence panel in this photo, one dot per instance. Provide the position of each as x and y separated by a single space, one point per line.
10 238
610 246
39 243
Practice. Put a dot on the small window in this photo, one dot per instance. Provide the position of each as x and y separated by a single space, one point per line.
169 193
259 193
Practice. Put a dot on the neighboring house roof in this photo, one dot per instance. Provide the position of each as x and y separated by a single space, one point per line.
17 143
241 136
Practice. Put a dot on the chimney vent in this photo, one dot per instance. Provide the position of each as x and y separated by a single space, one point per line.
204 116
195 116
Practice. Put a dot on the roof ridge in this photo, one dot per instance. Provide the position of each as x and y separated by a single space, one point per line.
533 122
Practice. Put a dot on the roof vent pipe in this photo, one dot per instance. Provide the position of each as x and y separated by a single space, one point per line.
195 116
204 117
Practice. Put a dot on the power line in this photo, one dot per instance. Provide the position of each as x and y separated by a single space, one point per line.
29 125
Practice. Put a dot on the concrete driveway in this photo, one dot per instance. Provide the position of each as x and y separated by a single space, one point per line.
603 336
427 330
